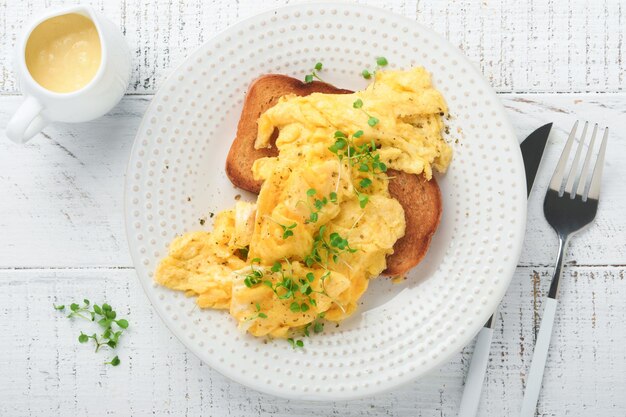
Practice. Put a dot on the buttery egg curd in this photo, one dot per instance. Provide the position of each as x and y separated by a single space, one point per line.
324 221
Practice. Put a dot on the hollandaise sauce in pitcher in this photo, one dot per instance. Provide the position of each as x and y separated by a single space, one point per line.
73 65
63 53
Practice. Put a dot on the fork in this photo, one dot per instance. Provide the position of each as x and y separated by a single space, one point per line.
570 205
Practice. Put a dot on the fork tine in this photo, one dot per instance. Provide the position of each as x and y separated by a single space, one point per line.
582 181
557 177
573 172
594 187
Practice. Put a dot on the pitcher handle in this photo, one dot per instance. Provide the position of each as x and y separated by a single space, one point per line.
27 121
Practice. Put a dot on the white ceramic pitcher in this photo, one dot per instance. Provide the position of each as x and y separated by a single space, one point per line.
101 94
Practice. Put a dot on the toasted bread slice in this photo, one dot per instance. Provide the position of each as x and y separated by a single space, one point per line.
421 201
262 94
420 198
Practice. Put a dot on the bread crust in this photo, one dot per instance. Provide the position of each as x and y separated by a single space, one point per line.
421 201
420 198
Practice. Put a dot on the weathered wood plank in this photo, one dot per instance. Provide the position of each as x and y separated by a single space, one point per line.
44 367
549 46
63 191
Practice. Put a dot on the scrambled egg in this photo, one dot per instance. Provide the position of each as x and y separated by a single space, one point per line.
324 221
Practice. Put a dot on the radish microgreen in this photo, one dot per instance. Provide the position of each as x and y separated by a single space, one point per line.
106 317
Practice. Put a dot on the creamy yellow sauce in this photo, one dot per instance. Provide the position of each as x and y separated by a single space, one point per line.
64 53
239 264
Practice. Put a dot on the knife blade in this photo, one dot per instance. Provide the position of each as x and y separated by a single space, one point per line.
532 152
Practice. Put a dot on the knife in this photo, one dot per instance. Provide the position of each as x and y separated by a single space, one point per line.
532 151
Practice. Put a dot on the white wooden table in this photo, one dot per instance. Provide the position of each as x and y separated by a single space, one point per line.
62 234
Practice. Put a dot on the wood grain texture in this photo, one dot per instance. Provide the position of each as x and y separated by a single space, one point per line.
45 369
538 46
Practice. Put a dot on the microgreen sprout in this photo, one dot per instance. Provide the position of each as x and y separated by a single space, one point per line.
363 199
258 313
288 287
318 204
364 157
317 324
318 327
365 182
106 317
323 250
113 362
255 276
371 120
309 77
381 61
287 229
341 141
295 343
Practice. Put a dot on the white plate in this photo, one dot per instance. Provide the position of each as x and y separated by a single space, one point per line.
176 176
